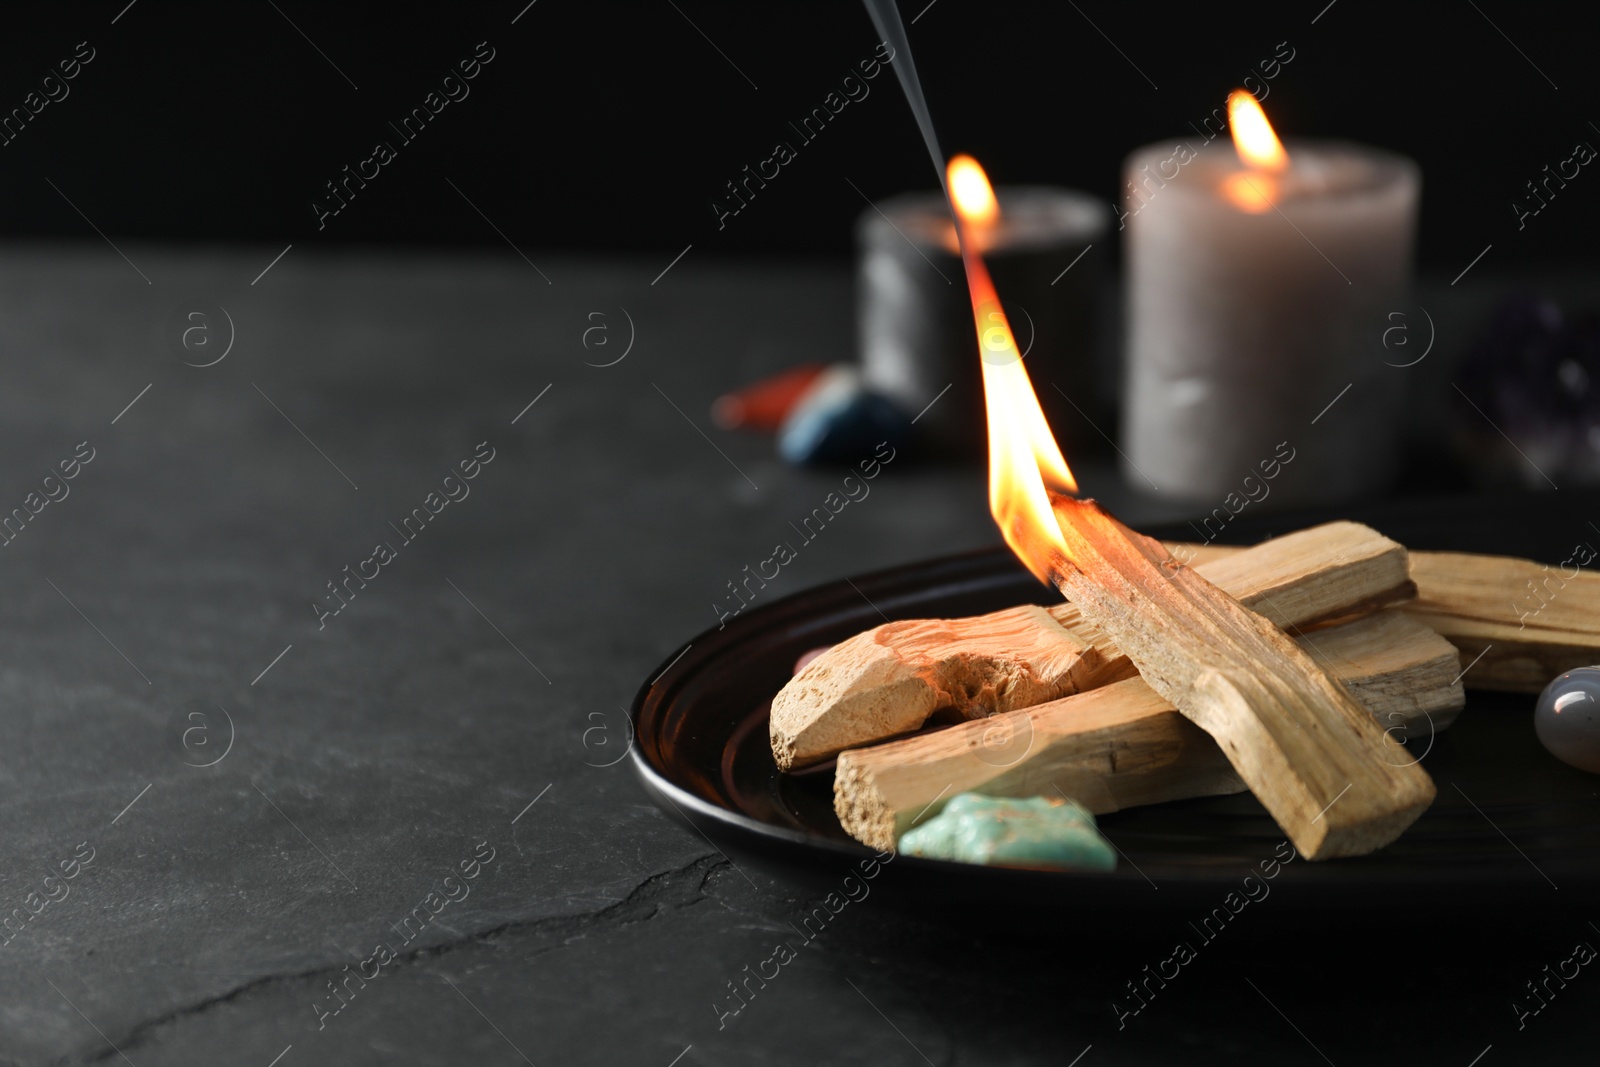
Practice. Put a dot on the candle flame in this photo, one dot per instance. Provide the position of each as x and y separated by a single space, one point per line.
1025 463
1258 147
971 191
1251 190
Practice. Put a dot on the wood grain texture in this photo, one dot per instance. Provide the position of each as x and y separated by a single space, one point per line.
1123 746
1517 623
1307 751
889 680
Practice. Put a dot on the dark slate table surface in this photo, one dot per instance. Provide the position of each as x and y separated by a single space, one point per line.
458 715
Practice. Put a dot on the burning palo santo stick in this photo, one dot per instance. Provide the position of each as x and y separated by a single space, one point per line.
889 680
1307 751
1122 745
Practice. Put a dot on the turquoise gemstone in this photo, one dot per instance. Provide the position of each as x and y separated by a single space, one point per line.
1013 832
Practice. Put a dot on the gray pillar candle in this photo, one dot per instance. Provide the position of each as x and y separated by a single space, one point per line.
1254 299
914 317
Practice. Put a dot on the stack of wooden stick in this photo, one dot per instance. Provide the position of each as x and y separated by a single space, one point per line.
1310 669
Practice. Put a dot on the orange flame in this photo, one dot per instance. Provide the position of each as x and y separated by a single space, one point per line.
1025 463
1258 147
971 191
1254 190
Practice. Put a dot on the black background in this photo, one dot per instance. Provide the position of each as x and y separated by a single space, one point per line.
610 127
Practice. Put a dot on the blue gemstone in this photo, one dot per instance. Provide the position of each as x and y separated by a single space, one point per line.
1568 718
841 421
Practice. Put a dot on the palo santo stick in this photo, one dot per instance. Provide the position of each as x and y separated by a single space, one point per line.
1517 623
1289 579
1522 622
888 680
1122 746
1307 751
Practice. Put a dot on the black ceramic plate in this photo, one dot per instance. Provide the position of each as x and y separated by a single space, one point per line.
1510 820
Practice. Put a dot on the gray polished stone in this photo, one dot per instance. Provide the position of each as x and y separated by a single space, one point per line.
1567 718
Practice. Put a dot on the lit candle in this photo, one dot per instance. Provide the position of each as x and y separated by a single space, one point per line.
1259 288
915 323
